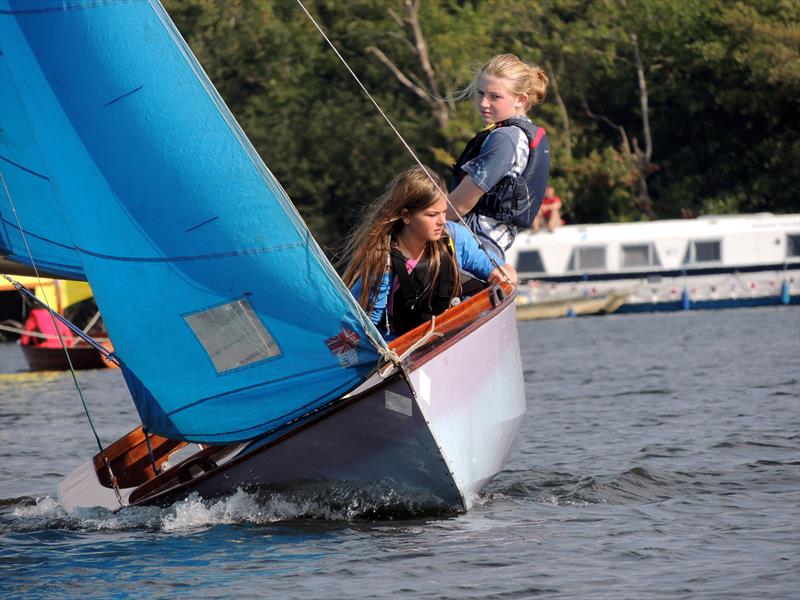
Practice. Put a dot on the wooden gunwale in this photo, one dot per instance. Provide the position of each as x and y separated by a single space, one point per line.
455 324
130 459
462 319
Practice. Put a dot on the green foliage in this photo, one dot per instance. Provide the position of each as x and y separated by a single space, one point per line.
722 83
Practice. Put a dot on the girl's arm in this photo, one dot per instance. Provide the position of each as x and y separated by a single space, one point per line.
469 255
464 198
376 315
474 260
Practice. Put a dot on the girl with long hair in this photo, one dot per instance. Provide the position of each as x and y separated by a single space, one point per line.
404 258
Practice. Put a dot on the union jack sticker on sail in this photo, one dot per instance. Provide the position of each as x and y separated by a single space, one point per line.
343 345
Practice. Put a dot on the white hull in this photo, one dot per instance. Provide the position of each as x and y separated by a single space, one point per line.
735 260
654 290
439 445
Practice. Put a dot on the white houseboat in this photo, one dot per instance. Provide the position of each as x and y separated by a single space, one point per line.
708 262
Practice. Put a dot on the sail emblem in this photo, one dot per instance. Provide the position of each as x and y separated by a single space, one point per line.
344 345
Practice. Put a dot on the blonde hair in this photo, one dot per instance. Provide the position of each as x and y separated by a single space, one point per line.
522 77
368 246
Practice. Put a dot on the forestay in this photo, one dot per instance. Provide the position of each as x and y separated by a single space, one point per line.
226 314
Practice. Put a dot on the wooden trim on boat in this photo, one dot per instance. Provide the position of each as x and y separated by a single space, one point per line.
456 323
129 458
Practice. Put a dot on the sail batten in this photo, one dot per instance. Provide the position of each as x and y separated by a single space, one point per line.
227 316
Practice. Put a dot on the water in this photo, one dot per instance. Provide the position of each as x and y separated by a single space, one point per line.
660 457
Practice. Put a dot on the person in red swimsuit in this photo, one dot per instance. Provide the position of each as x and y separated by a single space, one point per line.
550 213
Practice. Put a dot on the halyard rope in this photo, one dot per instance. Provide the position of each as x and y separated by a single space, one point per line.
400 137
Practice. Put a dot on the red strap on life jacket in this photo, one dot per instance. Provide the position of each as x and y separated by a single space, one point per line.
537 138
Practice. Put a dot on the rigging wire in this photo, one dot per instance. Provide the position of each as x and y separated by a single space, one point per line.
400 137
46 303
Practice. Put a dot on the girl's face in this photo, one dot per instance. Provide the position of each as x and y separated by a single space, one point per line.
426 225
494 100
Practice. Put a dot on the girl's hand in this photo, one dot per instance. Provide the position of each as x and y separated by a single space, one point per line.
506 272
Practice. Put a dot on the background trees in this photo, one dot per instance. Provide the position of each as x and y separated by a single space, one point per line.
656 108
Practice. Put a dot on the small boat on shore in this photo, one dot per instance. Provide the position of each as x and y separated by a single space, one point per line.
704 263
606 304
46 343
55 359
249 361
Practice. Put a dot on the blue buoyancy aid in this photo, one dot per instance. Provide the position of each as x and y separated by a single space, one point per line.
514 200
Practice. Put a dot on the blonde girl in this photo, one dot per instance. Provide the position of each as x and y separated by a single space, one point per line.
500 179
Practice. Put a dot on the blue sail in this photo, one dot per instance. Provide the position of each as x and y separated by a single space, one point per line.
25 176
226 314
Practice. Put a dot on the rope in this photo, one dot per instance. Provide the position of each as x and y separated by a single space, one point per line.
61 340
37 334
92 322
395 360
402 139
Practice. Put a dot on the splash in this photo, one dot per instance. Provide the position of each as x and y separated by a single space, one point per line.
317 501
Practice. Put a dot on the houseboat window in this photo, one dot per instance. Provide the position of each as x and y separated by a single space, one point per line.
706 251
640 255
530 261
792 245
586 258
232 335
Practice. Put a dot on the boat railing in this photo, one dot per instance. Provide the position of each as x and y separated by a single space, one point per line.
455 323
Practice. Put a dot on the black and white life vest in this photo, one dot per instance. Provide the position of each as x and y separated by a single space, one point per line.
413 302
514 200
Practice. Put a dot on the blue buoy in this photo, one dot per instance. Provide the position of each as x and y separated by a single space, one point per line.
685 300
786 298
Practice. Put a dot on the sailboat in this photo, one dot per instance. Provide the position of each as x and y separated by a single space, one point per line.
122 166
46 343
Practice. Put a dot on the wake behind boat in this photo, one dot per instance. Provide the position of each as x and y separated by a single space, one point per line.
248 360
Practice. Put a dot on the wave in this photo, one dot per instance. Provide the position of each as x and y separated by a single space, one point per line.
637 485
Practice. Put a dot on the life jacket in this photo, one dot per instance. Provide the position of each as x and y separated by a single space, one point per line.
413 303
40 321
514 200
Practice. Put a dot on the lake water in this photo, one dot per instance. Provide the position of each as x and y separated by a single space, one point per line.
660 458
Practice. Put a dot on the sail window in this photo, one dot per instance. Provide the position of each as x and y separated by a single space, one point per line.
232 335
587 258
792 245
530 261
640 255
703 251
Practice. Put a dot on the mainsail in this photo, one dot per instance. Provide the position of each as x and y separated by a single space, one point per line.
227 316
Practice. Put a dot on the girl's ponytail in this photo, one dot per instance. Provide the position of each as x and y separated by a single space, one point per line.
538 86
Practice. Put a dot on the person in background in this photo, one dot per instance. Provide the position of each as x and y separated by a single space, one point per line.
404 258
42 330
500 178
550 213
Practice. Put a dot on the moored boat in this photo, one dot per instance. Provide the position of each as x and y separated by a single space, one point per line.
55 359
528 310
708 262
